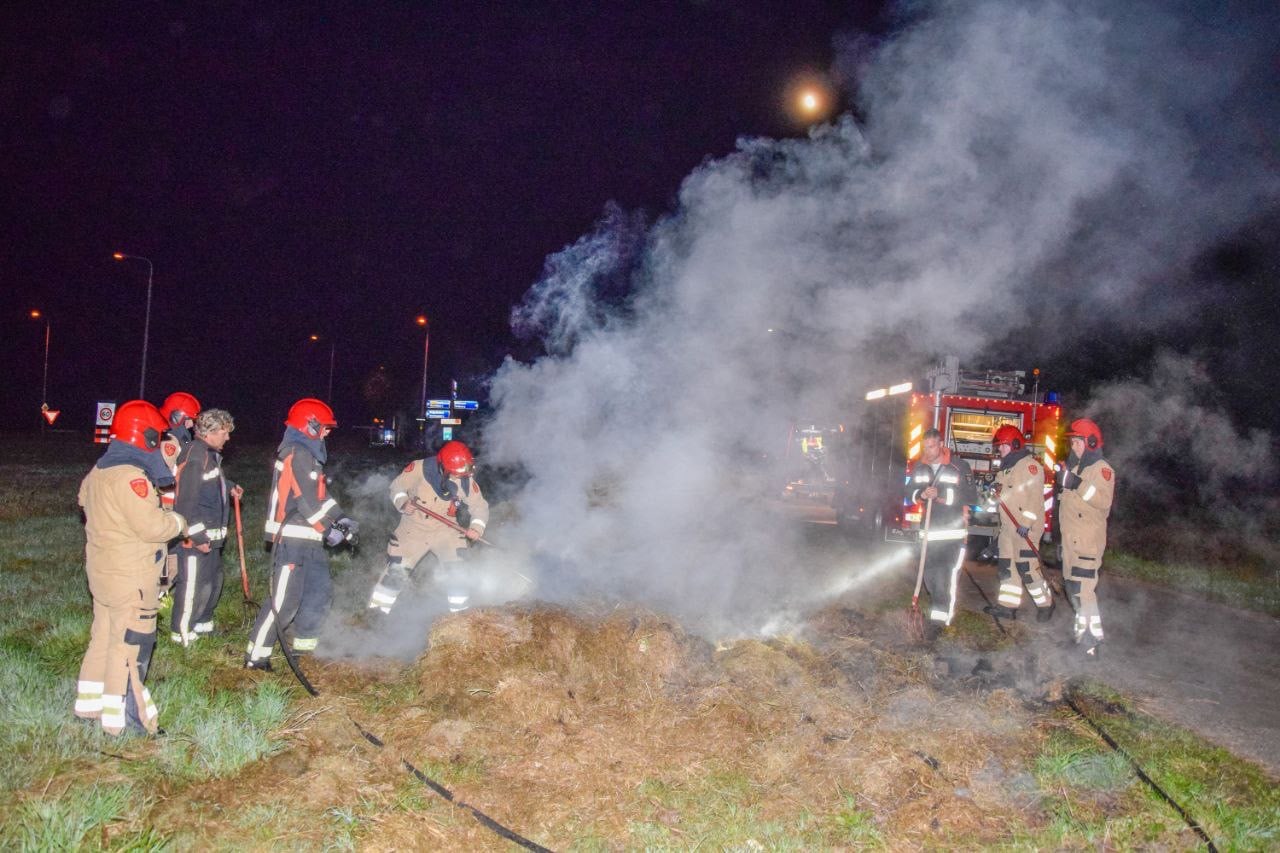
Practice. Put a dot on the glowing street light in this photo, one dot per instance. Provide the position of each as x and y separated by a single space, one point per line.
422 321
146 328
36 314
332 345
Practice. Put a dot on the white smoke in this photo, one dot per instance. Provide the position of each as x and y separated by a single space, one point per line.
1013 154
1173 445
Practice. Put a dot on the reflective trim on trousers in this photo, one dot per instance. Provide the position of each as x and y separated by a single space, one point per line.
261 645
112 714
1010 595
88 698
305 644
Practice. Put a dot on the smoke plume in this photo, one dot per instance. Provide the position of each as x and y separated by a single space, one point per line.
1013 156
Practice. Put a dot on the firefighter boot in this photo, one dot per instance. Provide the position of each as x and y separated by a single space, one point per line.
1001 612
263 665
1045 614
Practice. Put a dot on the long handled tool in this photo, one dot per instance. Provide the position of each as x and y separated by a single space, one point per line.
249 603
1016 525
1008 512
915 619
449 522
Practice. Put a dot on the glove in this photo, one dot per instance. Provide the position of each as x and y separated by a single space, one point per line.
343 530
1024 532
1071 481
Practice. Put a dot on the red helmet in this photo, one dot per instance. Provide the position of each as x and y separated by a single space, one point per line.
139 423
308 415
1088 430
179 406
1007 434
456 459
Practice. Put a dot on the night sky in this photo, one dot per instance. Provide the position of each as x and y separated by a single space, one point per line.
337 169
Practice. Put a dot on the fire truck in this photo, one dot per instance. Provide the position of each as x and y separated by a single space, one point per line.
967 407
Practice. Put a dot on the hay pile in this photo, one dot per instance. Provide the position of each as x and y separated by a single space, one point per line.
565 721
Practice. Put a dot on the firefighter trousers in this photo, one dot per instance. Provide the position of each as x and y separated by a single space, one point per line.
110 685
196 591
1016 554
1080 574
301 592
942 562
406 551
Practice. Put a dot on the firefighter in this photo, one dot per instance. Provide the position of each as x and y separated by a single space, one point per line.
126 530
179 410
942 478
1088 485
203 498
1020 487
302 519
445 485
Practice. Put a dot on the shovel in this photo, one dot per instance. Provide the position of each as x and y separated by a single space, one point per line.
915 619
249 603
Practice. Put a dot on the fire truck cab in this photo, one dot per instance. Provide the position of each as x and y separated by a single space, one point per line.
967 407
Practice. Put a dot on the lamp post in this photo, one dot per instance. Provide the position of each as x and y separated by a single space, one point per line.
44 382
146 328
426 346
332 347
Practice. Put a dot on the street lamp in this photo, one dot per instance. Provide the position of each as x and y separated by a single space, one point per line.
36 314
146 328
426 346
332 345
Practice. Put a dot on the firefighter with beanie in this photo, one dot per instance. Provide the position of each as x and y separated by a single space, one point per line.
942 480
445 485
126 530
1020 484
202 496
302 519
1088 485
179 410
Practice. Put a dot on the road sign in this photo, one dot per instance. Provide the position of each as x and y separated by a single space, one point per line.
102 426
438 404
451 422
447 433
469 405
51 415
436 414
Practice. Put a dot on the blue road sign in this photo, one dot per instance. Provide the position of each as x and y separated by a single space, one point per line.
439 404
437 413
469 405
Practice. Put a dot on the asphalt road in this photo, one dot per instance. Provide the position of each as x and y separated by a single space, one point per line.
1206 666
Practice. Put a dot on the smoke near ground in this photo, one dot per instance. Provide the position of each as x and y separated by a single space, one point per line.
1061 160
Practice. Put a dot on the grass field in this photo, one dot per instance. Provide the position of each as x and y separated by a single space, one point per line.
581 731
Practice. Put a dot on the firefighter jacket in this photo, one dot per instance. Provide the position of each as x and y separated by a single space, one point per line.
170 450
126 529
1083 510
954 482
201 494
1021 482
460 501
300 506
